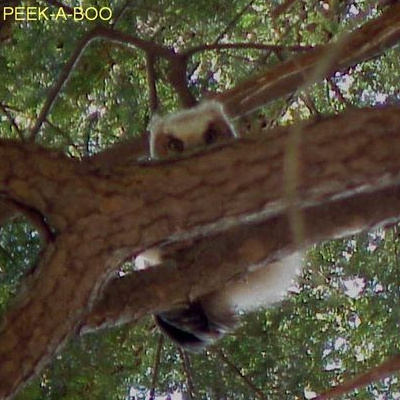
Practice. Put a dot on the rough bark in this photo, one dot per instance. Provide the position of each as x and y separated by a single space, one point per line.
100 218
192 270
276 82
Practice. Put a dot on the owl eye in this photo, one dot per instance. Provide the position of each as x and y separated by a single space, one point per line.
175 145
210 135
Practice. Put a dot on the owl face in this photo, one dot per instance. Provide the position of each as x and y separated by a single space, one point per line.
188 130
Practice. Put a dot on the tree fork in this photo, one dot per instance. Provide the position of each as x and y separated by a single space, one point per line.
99 218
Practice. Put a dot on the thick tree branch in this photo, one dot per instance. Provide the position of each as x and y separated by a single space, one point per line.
102 217
200 267
279 81
369 41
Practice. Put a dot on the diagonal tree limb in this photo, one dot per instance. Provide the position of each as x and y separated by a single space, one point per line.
193 270
368 41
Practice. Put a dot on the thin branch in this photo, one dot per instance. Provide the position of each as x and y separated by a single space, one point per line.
156 367
309 103
232 366
282 8
145 45
62 80
96 33
151 82
247 46
380 372
11 120
187 368
233 22
119 14
335 88
65 135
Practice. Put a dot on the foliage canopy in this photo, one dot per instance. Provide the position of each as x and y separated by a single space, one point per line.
339 320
